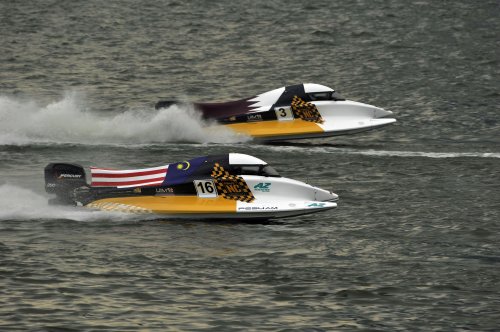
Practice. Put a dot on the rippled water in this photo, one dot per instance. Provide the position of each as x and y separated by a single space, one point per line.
413 244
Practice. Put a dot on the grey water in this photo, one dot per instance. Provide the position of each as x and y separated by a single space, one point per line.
413 245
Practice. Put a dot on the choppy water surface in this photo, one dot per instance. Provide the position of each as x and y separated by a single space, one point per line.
413 244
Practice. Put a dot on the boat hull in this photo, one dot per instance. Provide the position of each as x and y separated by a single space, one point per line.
339 118
194 207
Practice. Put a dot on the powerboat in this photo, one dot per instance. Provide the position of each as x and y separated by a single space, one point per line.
297 111
229 186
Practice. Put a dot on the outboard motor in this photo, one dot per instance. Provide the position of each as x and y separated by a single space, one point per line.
62 180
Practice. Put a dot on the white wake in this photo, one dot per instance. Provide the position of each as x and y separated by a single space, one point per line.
69 121
19 203
382 153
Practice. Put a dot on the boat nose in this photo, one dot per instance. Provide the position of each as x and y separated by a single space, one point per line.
325 195
381 113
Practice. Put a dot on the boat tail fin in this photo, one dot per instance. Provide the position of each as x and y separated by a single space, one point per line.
62 179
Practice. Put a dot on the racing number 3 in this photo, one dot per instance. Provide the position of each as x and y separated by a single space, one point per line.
284 113
205 188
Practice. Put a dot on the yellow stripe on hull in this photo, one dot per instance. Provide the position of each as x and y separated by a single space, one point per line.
166 205
276 128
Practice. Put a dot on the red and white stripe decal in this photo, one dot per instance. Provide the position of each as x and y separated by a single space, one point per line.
103 177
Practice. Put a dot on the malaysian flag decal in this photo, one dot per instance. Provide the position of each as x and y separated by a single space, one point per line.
103 177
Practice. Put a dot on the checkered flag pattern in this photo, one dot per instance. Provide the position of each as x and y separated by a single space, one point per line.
305 111
231 186
118 207
219 171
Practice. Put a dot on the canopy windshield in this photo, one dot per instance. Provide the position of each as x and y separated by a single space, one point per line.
262 170
326 95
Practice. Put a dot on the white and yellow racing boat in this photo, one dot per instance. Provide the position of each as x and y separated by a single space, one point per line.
229 186
292 112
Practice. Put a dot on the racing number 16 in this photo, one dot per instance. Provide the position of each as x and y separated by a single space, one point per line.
205 188
283 113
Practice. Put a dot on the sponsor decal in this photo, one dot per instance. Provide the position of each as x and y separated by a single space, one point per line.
263 186
231 186
254 117
183 166
69 176
317 205
257 208
137 190
305 110
166 190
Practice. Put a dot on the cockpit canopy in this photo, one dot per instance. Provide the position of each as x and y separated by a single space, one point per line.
244 164
315 92
262 170
326 95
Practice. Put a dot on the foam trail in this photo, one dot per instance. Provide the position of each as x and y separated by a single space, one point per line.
389 153
386 153
68 121
23 204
